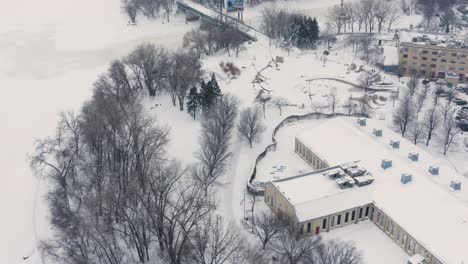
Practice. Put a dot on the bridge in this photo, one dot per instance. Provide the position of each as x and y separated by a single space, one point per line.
219 19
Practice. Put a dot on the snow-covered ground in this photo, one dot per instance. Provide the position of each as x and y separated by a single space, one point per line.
375 245
51 52
50 58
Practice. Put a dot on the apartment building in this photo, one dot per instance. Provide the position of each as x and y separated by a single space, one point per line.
447 59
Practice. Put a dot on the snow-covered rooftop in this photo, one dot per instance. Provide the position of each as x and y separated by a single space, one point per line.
427 208
390 55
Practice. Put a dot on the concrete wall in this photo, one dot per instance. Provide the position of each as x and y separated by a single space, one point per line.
275 199
433 61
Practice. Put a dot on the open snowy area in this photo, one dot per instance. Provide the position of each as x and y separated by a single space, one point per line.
56 56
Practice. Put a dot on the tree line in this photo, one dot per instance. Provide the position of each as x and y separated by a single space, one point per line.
364 15
291 28
210 38
438 121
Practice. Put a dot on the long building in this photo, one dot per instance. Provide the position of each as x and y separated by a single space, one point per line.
367 173
443 58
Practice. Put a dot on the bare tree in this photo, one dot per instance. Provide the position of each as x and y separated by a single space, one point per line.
250 126
431 122
266 226
197 41
404 114
366 80
130 8
350 105
382 11
292 250
280 102
263 98
365 42
335 252
333 100
149 65
448 134
215 243
214 140
185 71
416 132
336 16
421 97
394 15
412 84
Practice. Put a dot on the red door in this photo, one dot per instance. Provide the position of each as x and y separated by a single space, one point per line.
317 230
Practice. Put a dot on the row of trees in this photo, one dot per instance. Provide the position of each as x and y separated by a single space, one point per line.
290 27
435 11
154 70
367 15
148 8
116 197
437 122
210 38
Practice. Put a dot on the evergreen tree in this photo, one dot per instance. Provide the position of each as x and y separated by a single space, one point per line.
210 91
193 102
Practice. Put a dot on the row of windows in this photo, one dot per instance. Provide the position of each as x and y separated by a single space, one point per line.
441 53
405 56
309 156
401 237
348 217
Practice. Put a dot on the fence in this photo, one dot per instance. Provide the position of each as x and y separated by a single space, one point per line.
258 188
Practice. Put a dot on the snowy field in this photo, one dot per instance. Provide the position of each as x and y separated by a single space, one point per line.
51 52
375 245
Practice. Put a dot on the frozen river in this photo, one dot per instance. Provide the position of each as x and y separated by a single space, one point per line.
51 51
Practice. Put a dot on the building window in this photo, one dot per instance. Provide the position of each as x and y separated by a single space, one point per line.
405 49
353 215
415 58
324 223
423 65
301 231
454 54
332 221
443 60
309 227
435 53
378 218
403 239
360 213
405 55
433 59
425 52
452 61
367 211
461 69
424 58
398 235
463 56
338 220
346 217
404 62
433 65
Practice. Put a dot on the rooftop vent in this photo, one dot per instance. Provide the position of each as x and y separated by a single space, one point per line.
363 180
377 132
386 163
345 182
455 185
395 144
361 122
405 178
413 156
434 170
